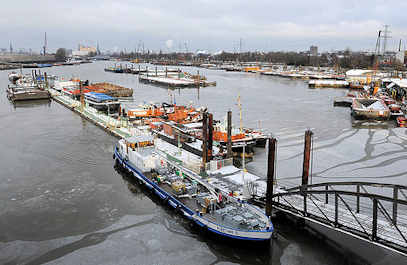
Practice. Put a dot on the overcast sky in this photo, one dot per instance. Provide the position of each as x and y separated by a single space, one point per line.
202 24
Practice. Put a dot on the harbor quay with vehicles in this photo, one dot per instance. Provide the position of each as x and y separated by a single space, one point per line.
184 159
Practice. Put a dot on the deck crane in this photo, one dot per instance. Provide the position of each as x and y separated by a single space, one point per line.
376 63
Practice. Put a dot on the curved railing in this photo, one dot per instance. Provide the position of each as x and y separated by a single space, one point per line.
376 212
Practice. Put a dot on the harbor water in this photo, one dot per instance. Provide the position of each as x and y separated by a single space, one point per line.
62 202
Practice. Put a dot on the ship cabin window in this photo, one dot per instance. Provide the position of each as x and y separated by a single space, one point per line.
135 145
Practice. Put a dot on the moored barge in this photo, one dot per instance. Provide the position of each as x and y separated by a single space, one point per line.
19 93
370 109
192 195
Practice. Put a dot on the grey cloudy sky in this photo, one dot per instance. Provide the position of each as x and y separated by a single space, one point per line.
202 24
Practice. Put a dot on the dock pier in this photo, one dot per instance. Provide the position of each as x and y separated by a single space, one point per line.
371 213
328 83
179 80
112 126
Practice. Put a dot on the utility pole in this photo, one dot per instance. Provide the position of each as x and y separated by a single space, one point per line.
97 48
386 35
186 47
240 48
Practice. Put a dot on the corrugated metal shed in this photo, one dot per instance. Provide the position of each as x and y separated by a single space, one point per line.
99 97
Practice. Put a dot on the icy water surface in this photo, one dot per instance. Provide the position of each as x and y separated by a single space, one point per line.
62 202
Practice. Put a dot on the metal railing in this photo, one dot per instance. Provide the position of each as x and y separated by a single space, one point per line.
218 164
376 212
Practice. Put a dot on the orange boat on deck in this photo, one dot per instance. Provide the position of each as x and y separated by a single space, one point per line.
153 123
220 136
184 115
145 112
178 114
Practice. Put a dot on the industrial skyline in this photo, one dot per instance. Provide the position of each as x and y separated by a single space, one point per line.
203 25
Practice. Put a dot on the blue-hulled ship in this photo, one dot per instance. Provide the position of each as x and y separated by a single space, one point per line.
197 198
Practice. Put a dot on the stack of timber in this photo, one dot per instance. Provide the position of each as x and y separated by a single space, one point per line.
111 89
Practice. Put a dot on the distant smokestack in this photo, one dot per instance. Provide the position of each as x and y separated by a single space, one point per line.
45 44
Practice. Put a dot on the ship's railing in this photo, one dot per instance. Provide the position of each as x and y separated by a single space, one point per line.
218 164
190 165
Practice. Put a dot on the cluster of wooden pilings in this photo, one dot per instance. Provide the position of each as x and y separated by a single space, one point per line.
271 162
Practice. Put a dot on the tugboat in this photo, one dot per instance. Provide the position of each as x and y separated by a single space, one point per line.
210 208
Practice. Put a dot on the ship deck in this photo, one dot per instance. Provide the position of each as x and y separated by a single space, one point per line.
188 202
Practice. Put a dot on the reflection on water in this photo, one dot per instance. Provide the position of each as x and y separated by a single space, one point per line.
371 124
86 241
32 103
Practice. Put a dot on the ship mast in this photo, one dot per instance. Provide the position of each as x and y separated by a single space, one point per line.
240 112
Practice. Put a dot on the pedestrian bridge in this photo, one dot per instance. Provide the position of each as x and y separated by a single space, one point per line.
374 212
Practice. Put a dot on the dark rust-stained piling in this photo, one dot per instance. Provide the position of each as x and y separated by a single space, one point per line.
204 139
307 156
46 80
82 95
270 175
210 136
229 134
198 80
